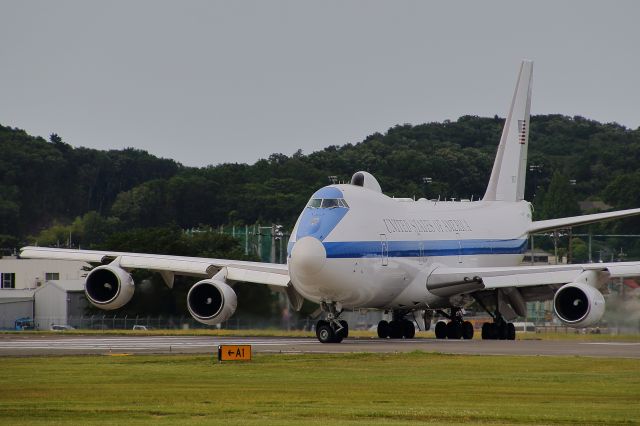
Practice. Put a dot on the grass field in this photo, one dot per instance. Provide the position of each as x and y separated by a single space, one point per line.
320 389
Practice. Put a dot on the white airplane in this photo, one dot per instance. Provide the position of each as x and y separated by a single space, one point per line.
355 248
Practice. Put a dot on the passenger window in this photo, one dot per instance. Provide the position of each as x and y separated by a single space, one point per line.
315 203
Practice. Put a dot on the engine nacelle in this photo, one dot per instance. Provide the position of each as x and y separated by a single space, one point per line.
109 287
211 301
578 305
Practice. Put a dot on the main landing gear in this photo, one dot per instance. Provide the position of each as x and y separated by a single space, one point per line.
398 328
456 328
331 330
499 329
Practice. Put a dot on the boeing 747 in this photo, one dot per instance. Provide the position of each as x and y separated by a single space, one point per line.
353 247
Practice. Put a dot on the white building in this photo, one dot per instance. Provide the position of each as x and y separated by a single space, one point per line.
32 273
23 293
57 301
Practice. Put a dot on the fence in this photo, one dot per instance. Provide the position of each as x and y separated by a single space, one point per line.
268 243
112 322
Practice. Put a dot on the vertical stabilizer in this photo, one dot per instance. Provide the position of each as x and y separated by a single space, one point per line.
510 167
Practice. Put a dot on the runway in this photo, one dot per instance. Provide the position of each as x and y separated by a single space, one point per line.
33 345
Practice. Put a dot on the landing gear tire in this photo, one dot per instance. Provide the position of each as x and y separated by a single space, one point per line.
396 329
384 330
441 330
502 331
325 333
454 330
467 330
409 330
511 331
489 331
344 332
498 331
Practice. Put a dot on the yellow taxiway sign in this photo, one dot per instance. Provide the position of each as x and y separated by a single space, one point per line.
234 352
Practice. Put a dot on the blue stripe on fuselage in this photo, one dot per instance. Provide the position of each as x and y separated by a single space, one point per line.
360 249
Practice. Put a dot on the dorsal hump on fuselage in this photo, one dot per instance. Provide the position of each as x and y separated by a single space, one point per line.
365 180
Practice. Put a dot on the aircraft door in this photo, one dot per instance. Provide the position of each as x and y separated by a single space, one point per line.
384 249
459 248
422 258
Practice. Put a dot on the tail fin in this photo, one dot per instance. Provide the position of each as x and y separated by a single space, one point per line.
510 167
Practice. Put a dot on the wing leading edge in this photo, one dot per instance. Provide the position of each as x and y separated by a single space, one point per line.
564 222
446 281
273 274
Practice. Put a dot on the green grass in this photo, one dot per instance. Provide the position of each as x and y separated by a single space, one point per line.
320 389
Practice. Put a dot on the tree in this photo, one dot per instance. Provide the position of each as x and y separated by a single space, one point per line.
559 199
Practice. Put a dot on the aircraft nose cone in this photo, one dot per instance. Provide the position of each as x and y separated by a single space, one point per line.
308 256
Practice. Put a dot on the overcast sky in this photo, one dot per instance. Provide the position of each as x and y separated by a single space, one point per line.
206 82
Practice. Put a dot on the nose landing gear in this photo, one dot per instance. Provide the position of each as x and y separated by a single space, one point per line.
331 330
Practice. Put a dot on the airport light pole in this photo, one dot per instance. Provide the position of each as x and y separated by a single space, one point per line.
537 168
426 180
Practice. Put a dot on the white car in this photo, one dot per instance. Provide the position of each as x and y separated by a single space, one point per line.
61 327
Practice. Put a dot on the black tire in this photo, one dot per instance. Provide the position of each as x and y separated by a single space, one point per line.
511 331
319 324
467 330
396 329
344 332
488 331
454 330
325 333
441 330
384 330
409 330
502 331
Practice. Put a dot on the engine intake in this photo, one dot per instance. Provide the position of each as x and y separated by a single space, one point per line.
211 301
578 305
109 287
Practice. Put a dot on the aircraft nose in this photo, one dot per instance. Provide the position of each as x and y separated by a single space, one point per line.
308 256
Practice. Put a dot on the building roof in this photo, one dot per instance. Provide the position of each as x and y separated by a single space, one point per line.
590 206
68 285
537 252
10 295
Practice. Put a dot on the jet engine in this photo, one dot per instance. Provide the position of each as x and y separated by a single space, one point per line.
109 287
211 301
578 305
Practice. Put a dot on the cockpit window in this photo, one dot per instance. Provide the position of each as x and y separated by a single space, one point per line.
327 203
315 203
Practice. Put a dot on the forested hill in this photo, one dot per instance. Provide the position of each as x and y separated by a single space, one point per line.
45 182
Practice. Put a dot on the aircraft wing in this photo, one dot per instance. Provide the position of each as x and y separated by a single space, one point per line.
565 222
272 274
448 281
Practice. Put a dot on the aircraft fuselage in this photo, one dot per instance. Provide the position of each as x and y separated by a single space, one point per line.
363 249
